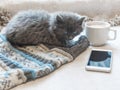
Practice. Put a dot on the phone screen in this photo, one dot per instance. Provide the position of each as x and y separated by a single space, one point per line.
100 59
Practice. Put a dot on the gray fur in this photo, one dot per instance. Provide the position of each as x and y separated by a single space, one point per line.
35 27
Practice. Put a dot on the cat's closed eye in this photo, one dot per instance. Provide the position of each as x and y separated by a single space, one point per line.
75 33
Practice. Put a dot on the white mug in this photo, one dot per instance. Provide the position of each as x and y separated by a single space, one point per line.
98 32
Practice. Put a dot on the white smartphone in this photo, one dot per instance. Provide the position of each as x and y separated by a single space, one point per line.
100 60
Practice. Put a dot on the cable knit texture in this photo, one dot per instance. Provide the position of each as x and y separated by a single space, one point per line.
22 64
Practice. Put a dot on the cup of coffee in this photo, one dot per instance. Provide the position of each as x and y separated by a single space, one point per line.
97 32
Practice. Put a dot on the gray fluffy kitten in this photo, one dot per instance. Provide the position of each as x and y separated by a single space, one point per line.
35 27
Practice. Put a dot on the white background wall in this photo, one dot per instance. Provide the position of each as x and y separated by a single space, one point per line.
17 1
90 7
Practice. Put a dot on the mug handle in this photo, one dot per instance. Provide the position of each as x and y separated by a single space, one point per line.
115 34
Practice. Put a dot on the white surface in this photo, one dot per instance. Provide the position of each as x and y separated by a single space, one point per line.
73 76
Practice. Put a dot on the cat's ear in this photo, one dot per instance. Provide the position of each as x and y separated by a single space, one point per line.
81 20
59 19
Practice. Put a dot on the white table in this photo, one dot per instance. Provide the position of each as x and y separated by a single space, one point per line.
73 76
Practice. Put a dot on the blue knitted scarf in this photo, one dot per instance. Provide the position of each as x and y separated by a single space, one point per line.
22 64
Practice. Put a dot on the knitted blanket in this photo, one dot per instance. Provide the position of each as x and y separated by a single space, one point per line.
22 64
